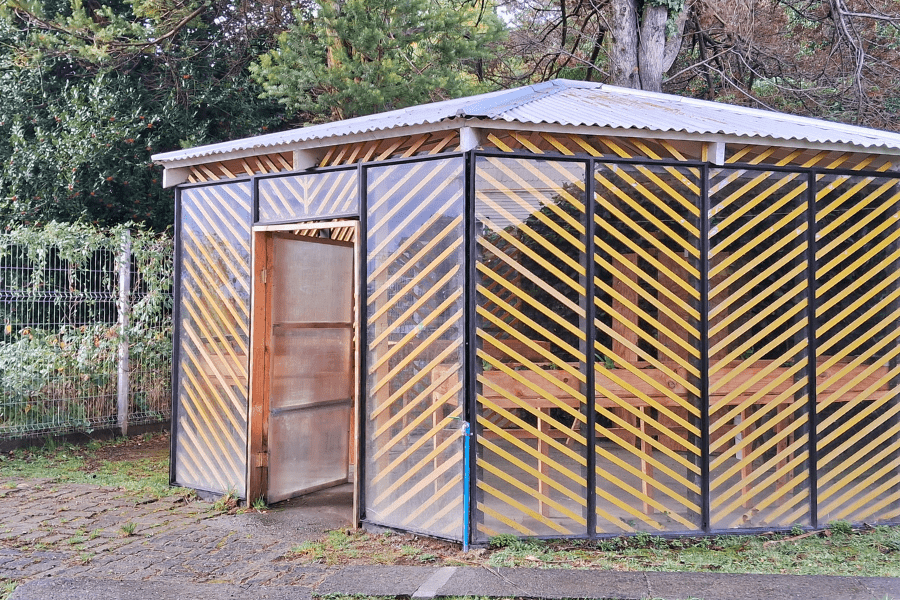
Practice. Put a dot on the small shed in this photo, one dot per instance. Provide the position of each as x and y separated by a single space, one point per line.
563 310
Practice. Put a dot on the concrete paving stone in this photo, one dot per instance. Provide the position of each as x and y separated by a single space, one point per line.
722 586
79 588
33 536
383 581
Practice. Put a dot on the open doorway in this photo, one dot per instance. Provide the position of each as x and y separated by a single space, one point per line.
304 363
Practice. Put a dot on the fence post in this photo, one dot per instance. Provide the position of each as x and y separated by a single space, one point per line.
124 306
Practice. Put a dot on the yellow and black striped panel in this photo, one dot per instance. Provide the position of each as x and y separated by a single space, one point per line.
415 326
310 196
531 466
857 349
211 401
647 348
758 315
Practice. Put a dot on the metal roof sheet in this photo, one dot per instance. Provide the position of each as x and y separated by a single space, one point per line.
576 103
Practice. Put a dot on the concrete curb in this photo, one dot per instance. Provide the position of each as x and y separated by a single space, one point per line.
556 584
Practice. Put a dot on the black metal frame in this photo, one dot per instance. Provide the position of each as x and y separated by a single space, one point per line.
704 401
470 382
470 364
363 170
307 218
176 319
362 338
176 336
811 363
705 500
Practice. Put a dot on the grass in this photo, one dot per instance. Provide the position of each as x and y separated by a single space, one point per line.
6 588
839 550
67 463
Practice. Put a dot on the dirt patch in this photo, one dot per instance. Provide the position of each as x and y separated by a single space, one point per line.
154 447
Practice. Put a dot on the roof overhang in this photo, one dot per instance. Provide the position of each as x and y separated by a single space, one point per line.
559 107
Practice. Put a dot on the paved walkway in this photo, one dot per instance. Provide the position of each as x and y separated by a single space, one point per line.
71 541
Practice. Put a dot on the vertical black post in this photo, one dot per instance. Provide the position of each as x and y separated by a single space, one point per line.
176 336
704 349
470 387
362 336
811 363
590 335
254 200
894 422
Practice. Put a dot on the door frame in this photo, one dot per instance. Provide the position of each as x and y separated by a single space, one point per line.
262 260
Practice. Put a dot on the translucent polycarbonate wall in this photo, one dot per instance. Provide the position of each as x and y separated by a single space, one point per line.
531 381
759 403
857 304
743 331
637 344
414 277
212 351
309 196
647 348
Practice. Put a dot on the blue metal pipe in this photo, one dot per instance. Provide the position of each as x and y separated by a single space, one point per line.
467 435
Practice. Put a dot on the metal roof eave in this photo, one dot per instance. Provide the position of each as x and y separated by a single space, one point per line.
173 159
170 160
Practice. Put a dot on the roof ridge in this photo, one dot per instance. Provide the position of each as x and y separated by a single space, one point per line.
520 96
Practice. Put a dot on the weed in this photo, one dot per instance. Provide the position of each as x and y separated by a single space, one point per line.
226 503
95 534
608 545
128 529
259 504
66 464
642 539
503 540
85 557
840 528
6 589
796 530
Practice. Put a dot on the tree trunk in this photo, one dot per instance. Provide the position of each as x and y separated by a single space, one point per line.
640 53
624 48
652 47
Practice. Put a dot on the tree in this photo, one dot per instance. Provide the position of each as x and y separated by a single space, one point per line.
835 59
353 57
90 92
631 43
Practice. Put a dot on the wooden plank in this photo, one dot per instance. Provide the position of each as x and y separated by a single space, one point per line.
627 289
257 427
672 271
523 348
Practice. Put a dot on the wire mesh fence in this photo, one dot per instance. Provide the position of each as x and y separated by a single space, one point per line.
87 329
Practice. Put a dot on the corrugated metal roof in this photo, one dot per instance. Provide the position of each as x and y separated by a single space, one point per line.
576 103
